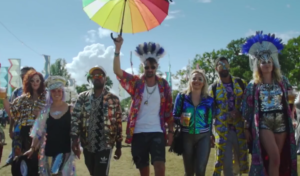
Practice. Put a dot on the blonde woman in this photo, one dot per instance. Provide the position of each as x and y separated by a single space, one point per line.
268 120
193 112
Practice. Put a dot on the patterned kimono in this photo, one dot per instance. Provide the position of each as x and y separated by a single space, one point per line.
250 110
221 126
46 168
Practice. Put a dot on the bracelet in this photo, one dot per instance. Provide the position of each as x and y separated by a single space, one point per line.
117 54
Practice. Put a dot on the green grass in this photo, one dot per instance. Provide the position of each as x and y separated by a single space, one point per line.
124 166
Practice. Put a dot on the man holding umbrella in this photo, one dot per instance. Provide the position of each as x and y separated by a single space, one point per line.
151 109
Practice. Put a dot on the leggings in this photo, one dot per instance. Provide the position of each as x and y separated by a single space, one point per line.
196 149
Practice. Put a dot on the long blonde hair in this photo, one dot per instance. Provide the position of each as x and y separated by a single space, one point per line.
204 91
276 74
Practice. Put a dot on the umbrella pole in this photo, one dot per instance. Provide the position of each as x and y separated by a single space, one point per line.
121 30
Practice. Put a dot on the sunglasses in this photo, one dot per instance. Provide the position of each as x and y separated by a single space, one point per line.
56 91
96 76
266 62
35 81
152 67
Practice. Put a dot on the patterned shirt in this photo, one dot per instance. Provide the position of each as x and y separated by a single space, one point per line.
135 86
97 122
22 109
230 98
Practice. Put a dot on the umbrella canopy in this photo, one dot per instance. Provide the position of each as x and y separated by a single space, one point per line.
139 15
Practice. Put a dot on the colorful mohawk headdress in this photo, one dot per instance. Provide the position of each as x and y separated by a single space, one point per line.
149 50
262 47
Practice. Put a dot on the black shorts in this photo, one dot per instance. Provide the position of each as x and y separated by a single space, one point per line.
97 163
144 144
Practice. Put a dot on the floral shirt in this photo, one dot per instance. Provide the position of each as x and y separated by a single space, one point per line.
135 86
97 121
22 109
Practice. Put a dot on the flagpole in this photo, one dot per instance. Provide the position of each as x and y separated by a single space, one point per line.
131 62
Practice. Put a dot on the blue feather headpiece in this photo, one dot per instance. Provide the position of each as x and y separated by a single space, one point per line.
149 50
262 47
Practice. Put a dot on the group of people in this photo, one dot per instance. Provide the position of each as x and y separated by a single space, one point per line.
3 118
231 115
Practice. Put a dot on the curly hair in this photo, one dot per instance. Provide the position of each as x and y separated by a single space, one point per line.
27 84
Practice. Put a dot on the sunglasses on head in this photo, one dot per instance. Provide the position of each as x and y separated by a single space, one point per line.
152 67
56 91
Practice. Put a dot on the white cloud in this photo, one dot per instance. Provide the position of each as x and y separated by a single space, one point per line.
91 36
205 1
285 36
173 14
94 54
104 32
172 3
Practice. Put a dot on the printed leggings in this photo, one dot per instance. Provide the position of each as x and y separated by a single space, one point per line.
196 150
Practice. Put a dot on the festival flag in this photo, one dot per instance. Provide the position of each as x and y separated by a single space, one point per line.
169 76
46 66
4 77
197 66
14 72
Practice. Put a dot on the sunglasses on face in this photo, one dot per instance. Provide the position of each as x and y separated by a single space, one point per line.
152 67
265 62
96 76
35 81
56 91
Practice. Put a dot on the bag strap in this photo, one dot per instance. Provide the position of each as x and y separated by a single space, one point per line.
240 82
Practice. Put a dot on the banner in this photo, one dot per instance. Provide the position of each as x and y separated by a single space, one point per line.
14 72
46 66
4 77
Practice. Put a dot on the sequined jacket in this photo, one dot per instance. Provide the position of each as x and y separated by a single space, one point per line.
112 118
135 86
201 116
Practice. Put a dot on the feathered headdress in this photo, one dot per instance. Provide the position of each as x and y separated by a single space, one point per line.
149 50
262 47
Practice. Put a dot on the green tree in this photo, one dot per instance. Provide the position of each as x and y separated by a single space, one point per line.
290 61
174 94
141 69
108 83
58 69
125 103
82 88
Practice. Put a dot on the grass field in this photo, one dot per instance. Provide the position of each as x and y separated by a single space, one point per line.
124 166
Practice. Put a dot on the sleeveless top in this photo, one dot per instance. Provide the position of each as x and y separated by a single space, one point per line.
58 139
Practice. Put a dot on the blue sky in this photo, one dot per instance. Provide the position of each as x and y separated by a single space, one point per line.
59 28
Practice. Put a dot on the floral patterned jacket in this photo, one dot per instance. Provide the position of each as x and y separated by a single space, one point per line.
135 85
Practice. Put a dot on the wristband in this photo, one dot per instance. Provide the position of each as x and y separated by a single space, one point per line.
117 54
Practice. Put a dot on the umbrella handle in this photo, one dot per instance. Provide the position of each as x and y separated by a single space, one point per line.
112 36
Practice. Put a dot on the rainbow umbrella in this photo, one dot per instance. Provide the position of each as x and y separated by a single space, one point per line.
127 16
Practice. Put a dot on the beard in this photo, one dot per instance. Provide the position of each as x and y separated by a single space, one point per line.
98 84
224 73
149 75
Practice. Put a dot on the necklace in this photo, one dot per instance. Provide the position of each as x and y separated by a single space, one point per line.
56 113
146 102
